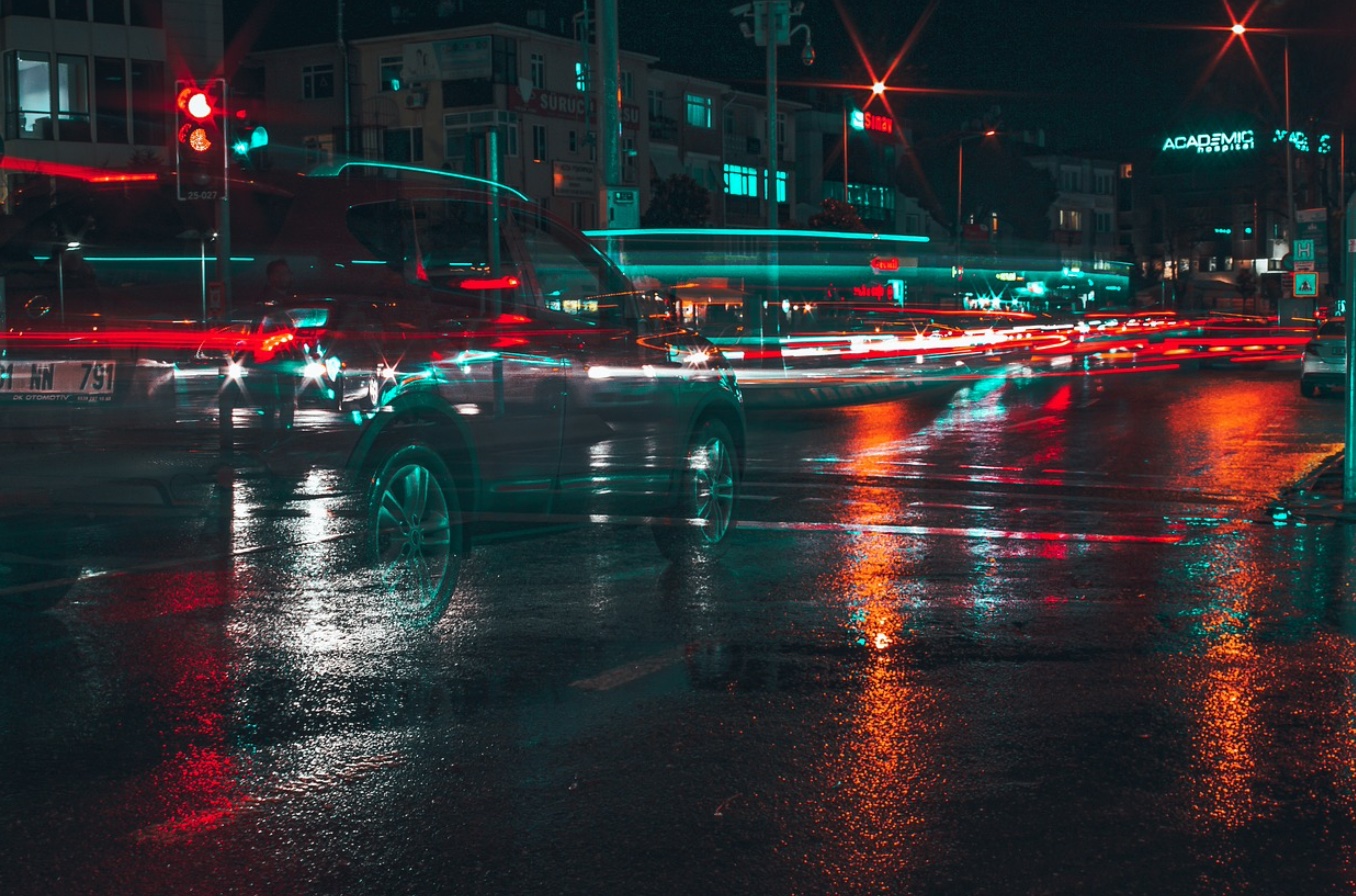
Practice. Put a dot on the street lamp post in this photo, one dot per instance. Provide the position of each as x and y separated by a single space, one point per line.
960 176
1239 29
772 29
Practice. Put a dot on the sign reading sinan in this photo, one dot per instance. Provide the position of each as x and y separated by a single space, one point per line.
1216 142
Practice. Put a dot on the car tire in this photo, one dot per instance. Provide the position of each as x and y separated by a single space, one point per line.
703 514
415 532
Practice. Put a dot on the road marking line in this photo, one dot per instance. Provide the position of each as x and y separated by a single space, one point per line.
615 678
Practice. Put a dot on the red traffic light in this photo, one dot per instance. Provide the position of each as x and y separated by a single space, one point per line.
196 103
201 138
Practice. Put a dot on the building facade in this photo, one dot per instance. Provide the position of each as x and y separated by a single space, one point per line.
89 82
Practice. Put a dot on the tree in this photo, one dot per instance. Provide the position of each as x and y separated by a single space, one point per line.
677 201
834 214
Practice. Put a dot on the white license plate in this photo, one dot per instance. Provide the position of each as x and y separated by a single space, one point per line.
56 380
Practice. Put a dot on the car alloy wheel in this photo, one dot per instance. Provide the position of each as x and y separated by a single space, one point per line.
708 490
415 531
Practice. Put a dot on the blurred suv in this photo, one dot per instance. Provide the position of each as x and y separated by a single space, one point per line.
1324 365
469 366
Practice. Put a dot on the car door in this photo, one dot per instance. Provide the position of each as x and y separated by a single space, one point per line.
491 362
620 421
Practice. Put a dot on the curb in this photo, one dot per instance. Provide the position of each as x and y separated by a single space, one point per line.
1318 495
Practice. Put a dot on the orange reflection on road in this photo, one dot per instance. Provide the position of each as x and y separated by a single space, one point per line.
1225 741
884 770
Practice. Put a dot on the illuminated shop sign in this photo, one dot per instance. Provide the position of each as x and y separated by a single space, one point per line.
1322 143
1216 142
1242 141
866 121
884 264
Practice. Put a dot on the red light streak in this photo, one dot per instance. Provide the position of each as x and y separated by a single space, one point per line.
86 173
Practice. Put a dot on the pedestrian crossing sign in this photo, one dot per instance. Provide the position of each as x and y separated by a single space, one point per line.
1306 285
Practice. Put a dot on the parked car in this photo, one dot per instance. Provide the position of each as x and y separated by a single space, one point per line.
1324 366
471 366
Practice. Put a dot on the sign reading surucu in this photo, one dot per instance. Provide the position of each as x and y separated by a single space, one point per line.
1220 141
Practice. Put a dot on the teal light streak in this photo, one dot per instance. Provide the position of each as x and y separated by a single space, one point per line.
149 259
334 169
661 232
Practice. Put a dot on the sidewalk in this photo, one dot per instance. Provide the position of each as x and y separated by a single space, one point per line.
1318 495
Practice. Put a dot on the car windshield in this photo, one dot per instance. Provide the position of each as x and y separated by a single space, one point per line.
1333 328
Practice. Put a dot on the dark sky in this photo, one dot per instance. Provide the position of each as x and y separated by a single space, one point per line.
1096 75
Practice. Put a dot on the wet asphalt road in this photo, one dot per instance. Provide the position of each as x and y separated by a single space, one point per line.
1032 637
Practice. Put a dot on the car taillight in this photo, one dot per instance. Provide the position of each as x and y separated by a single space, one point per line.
270 345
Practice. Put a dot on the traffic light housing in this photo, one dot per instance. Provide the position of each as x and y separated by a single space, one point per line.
201 139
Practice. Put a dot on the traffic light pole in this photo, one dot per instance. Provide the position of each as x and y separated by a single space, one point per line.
224 255
1349 394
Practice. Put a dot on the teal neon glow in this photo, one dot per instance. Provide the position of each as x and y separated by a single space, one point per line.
258 137
149 259
661 232
334 169
1212 143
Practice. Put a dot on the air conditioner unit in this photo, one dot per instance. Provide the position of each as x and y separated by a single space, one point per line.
416 99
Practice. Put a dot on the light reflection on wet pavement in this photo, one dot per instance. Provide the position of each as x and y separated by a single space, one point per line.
1028 638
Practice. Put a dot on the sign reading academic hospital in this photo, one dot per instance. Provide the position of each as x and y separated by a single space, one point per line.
1220 141
1244 141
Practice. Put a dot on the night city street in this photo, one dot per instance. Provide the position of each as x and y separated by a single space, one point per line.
1031 635
645 448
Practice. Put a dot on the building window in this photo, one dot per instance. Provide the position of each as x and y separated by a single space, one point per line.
574 141
1070 219
537 71
388 73
29 79
626 85
509 140
38 9
402 145
1103 182
582 77
781 132
504 60
147 13
109 12
110 100
317 82
148 102
656 104
75 10
741 180
73 98
1070 180
872 201
538 143
1103 222
698 111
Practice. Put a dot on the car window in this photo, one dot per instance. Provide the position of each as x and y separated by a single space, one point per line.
567 273
1333 328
